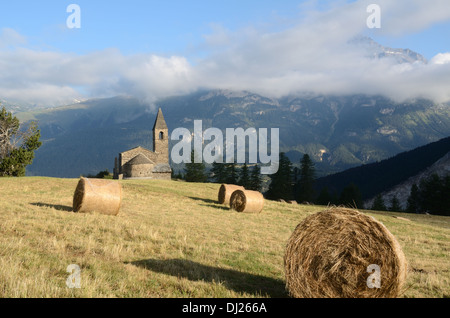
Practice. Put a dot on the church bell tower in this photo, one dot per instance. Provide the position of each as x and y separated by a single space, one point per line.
161 138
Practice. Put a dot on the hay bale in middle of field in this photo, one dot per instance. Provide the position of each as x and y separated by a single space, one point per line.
225 192
99 195
247 201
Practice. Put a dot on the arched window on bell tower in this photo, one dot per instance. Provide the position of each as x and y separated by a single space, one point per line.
161 135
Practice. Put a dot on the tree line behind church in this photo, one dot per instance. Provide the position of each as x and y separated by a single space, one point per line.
229 173
291 183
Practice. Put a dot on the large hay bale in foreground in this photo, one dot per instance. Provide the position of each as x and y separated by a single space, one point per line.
329 254
225 192
247 201
99 195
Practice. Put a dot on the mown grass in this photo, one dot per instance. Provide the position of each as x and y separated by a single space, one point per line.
172 239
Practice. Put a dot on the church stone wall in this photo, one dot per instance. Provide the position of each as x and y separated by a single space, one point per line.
138 171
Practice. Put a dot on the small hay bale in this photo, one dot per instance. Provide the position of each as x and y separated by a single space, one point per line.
225 192
329 254
102 196
247 201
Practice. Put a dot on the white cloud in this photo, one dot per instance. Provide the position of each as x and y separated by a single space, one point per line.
313 56
408 16
441 58
53 78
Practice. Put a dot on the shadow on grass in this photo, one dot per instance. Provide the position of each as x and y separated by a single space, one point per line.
56 207
220 207
211 203
238 281
204 200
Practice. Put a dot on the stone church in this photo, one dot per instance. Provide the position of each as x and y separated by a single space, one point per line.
141 163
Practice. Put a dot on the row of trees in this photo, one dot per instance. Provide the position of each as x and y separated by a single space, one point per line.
229 173
379 204
432 195
248 177
292 183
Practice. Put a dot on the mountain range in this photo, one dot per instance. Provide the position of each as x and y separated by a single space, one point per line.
339 132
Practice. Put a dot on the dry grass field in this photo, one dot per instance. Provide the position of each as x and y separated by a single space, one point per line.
171 240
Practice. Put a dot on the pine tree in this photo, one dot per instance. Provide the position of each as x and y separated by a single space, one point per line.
255 178
219 173
295 175
17 145
351 196
244 177
378 204
395 205
445 209
231 173
434 195
281 182
305 185
413 204
324 197
195 172
179 176
431 194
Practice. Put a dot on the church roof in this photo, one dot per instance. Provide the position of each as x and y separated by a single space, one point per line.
139 147
160 122
140 159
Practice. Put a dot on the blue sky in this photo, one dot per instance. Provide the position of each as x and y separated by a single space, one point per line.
175 26
222 44
134 26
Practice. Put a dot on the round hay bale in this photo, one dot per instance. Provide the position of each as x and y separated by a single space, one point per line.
225 192
247 201
331 254
99 195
